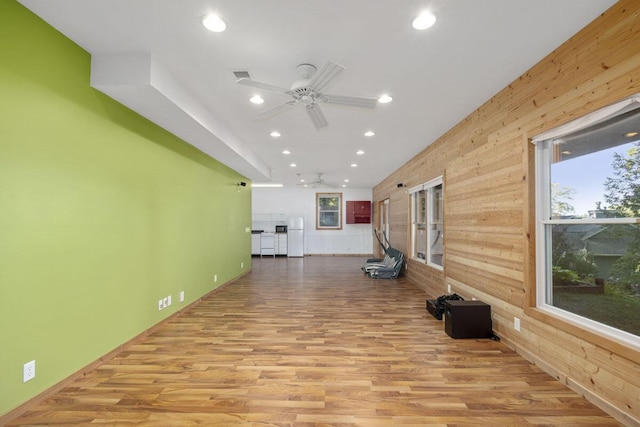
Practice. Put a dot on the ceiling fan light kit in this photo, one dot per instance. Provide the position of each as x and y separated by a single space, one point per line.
308 92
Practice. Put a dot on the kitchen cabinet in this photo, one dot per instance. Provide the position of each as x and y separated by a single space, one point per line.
359 212
268 243
281 243
255 243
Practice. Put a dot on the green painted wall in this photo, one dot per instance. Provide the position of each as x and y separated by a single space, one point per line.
102 213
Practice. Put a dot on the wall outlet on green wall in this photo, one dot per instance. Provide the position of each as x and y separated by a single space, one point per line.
28 371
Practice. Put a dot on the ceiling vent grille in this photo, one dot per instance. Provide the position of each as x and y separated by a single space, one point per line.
241 74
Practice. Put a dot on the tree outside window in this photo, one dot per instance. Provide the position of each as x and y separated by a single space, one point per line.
328 211
589 236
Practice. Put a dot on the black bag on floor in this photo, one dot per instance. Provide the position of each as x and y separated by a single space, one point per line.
436 306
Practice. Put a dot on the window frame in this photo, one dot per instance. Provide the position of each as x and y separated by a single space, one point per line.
413 194
319 211
543 155
425 192
435 202
383 221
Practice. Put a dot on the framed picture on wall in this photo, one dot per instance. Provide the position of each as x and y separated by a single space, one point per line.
328 211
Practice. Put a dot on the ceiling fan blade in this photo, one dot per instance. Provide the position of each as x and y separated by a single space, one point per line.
325 184
351 101
325 75
317 116
275 111
260 85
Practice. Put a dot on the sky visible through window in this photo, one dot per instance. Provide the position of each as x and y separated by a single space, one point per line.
586 175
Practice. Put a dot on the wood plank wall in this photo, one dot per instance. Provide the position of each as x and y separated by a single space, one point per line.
488 202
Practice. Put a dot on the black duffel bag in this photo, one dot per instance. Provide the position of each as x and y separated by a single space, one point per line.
436 306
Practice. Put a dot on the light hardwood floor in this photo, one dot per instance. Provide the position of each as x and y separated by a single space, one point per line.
314 342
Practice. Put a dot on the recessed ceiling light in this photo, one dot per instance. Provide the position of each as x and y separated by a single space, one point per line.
566 152
213 22
359 152
256 99
354 165
346 180
384 99
293 165
631 134
302 180
424 21
275 134
369 133
344 185
286 152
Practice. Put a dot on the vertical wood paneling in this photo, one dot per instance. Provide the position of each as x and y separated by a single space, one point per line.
488 200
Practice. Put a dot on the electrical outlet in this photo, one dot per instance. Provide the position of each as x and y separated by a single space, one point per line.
28 371
516 324
241 264
181 296
448 289
215 277
169 299
165 302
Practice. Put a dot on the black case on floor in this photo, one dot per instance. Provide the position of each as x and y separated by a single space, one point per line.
434 309
467 319
436 306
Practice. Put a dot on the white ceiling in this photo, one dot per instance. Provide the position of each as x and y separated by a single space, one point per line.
155 57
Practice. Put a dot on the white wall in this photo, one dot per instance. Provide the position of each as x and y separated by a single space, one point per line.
292 202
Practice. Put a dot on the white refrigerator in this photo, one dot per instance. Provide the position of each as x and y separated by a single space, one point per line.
295 237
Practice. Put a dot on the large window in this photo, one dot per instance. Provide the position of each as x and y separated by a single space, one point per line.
588 218
329 211
427 231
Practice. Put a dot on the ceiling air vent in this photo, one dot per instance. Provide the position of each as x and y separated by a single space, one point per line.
241 74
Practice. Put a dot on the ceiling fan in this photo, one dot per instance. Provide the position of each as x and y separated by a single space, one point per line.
308 92
319 182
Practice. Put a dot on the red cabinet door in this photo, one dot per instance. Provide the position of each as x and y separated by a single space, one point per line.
359 212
